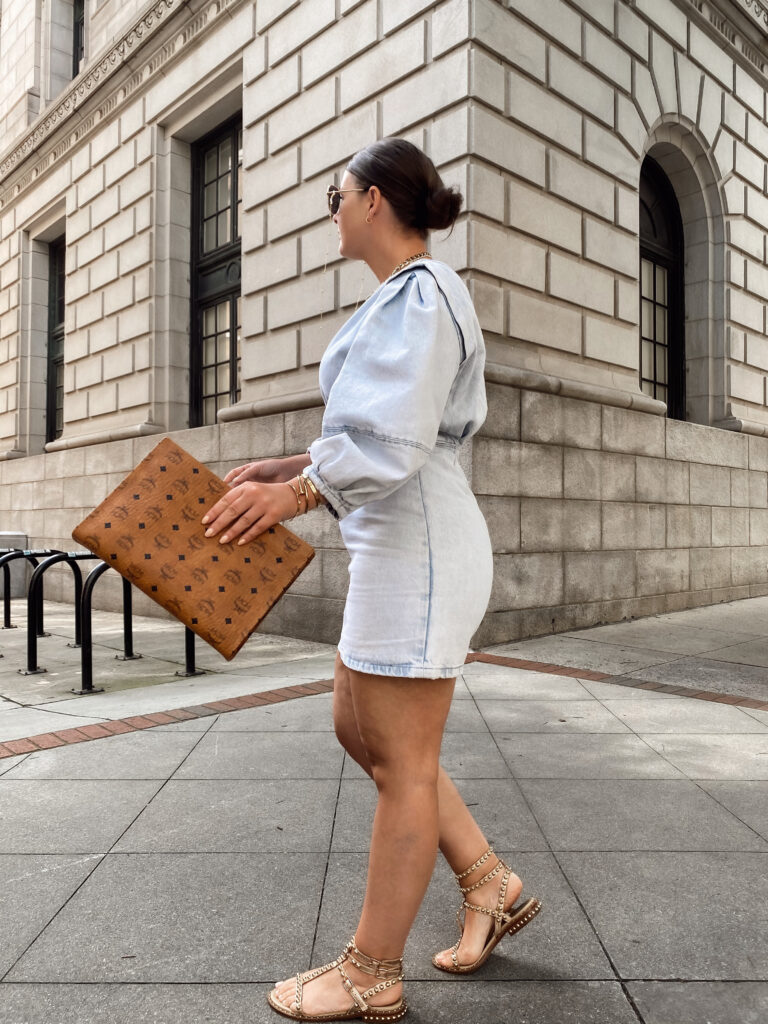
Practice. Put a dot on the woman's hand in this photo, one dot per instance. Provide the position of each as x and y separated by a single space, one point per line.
268 471
249 509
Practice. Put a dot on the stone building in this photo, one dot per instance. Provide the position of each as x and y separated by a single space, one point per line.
167 265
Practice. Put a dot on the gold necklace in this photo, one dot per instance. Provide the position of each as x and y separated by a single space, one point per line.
411 259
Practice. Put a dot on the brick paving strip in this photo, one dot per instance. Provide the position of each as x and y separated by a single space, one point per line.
135 723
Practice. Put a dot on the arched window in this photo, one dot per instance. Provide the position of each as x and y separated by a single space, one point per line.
662 344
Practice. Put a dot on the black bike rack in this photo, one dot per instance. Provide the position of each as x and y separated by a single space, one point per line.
35 603
86 647
32 556
189 656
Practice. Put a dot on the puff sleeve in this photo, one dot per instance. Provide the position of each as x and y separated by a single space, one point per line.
384 409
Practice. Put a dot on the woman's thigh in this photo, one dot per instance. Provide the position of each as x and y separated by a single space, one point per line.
400 721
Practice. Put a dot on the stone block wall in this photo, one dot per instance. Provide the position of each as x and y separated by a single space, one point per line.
598 513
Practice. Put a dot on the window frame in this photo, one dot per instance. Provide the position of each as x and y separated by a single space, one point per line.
54 384
215 276
78 35
673 261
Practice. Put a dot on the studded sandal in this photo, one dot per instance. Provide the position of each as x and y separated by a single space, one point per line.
505 922
389 971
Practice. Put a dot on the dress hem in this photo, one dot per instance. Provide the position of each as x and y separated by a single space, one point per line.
404 669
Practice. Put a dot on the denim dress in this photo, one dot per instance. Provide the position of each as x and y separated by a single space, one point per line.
403 387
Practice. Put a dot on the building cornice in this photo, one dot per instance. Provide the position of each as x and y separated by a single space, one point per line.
740 26
105 85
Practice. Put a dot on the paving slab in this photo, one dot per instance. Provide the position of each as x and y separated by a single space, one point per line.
235 816
610 691
263 755
22 722
713 1002
558 944
682 715
68 816
678 916
634 815
139 1004
673 637
181 918
310 714
707 674
748 801
34 889
732 756
740 616
497 682
583 756
143 755
550 716
750 652
524 1002
586 654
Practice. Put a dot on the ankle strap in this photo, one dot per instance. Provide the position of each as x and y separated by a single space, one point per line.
478 863
386 969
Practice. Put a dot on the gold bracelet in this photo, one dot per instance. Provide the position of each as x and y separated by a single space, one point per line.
298 504
312 488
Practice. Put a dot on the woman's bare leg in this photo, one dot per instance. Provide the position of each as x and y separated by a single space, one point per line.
400 723
461 840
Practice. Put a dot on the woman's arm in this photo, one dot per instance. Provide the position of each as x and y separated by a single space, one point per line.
268 471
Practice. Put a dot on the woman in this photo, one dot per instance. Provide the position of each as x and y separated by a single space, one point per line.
403 386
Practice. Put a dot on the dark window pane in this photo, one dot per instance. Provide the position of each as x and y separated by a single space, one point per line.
211 165
225 156
209 235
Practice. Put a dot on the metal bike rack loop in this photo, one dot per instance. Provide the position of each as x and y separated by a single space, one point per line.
32 556
86 647
34 602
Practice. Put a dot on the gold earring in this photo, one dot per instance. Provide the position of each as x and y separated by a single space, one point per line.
368 219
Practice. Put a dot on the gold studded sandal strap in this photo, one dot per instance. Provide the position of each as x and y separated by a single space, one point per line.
478 864
386 969
356 996
503 887
486 878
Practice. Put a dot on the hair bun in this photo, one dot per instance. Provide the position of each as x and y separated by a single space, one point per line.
442 207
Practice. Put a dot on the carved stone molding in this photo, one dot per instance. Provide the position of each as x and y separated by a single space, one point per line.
759 11
93 83
741 24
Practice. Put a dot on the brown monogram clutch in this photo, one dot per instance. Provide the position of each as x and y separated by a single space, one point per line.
149 529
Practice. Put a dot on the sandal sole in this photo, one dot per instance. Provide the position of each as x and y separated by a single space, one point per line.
382 1015
520 919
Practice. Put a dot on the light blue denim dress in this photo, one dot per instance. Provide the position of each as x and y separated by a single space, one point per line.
403 388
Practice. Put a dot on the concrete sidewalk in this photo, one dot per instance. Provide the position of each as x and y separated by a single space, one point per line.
174 872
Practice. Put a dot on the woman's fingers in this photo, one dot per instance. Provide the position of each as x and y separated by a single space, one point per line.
233 473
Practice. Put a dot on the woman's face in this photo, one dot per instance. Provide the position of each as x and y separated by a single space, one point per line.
354 232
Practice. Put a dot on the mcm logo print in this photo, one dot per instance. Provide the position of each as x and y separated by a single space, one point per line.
215 487
241 605
153 514
233 575
292 544
162 541
148 482
259 546
195 543
180 486
206 606
126 542
173 606
175 456
133 573
121 513
266 575
188 514
167 572
200 575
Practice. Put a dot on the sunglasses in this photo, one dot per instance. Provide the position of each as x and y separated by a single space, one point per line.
333 194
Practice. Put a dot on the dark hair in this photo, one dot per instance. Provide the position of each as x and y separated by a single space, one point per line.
409 182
